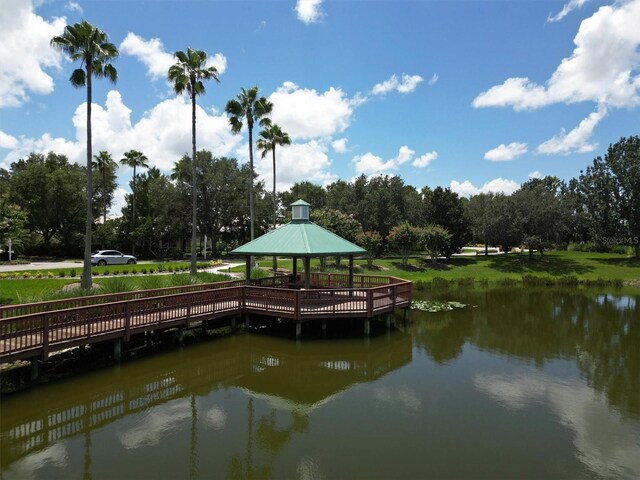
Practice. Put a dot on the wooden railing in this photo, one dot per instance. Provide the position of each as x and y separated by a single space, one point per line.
52 328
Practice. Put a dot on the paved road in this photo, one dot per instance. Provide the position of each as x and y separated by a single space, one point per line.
78 266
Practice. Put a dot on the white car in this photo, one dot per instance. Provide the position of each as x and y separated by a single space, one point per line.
111 257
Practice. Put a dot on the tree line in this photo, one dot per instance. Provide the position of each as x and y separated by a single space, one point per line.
42 197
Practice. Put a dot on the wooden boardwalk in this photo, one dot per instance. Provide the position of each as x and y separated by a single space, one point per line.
53 326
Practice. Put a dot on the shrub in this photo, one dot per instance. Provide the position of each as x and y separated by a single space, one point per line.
144 270
466 281
61 273
26 275
72 272
116 272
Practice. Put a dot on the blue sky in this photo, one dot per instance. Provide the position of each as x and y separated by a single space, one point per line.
472 95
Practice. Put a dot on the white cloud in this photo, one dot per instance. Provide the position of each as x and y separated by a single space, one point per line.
577 140
425 160
163 133
370 164
73 7
404 155
305 113
294 163
8 141
340 145
535 174
25 52
566 10
407 84
497 185
505 153
603 67
157 60
309 11
433 79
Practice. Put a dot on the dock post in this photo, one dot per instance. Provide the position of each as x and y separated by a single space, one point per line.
387 321
117 350
405 315
35 371
180 336
233 324
366 327
324 327
298 330
246 319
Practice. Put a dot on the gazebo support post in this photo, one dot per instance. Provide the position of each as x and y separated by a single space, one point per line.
247 270
307 268
295 270
350 271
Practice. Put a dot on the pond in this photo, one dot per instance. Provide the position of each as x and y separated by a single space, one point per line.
535 383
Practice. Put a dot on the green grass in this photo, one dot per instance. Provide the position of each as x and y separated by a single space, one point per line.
36 290
584 266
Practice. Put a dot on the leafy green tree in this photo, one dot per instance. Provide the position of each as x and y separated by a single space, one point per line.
106 184
249 108
434 240
346 226
372 243
445 208
186 76
541 212
13 223
307 191
51 192
611 194
404 239
88 44
479 212
135 160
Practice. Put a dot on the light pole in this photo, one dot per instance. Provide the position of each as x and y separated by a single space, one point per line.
9 243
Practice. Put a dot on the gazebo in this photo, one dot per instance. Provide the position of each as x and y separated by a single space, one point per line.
300 238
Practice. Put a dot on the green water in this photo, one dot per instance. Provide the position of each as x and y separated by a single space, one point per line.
527 384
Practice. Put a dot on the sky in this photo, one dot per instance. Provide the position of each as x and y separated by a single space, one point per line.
473 95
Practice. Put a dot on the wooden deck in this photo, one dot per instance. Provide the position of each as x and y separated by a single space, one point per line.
36 330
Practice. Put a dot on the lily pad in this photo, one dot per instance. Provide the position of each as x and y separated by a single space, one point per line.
434 306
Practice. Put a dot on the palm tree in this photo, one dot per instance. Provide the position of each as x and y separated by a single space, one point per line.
270 138
249 108
134 159
90 45
187 75
105 165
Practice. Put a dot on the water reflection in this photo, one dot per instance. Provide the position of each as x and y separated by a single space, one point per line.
166 392
604 442
600 332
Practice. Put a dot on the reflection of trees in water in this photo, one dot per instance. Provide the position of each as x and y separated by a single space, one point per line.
538 325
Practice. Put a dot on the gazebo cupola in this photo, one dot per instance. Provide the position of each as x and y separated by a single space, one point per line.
300 210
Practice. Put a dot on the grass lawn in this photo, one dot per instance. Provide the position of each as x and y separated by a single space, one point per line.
40 289
583 265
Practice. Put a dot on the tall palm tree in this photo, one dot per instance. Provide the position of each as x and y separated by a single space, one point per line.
250 109
91 47
270 137
103 162
187 75
134 159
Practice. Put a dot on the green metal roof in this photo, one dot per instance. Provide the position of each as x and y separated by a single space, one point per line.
299 238
299 203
